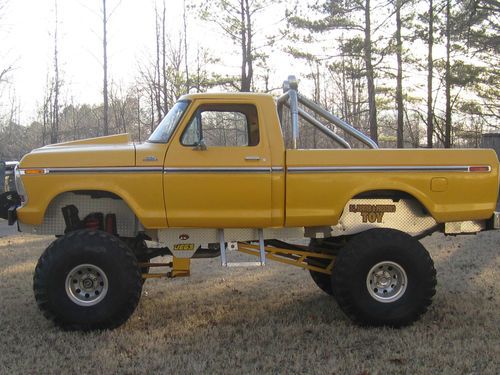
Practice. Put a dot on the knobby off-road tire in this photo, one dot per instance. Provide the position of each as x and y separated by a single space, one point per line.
322 280
87 280
139 248
383 277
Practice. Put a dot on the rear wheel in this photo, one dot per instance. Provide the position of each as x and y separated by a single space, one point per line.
323 281
332 246
383 277
87 280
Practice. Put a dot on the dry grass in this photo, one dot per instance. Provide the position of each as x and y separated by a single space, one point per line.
269 320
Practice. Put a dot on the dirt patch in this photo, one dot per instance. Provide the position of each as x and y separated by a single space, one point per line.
261 320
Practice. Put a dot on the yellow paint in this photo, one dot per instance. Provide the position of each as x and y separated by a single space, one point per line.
217 200
184 247
181 267
439 184
283 256
319 198
222 200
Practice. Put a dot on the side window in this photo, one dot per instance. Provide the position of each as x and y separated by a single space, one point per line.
223 126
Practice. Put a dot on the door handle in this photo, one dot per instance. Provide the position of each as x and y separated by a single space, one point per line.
252 157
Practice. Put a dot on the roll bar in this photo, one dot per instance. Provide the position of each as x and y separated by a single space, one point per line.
291 99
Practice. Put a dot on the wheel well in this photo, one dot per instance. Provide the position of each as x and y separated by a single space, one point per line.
395 195
88 202
95 194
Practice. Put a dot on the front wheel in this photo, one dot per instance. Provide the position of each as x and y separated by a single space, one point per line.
87 280
384 277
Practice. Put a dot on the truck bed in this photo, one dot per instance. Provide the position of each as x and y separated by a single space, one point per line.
320 182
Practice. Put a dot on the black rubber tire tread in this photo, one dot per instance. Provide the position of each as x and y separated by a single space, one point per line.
104 250
360 254
139 248
323 281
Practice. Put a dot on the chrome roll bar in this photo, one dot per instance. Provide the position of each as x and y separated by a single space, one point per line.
291 98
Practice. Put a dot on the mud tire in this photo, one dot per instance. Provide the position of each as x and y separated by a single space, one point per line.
109 254
355 263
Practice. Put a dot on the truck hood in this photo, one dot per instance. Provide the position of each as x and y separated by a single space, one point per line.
109 151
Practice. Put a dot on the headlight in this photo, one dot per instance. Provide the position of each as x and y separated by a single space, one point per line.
19 186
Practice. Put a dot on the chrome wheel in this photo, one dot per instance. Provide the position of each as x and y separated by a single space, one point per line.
386 282
86 285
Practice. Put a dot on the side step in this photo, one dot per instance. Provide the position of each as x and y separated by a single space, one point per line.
223 255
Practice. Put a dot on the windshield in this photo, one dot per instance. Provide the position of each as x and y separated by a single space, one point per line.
163 131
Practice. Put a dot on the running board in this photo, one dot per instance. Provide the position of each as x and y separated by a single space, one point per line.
223 254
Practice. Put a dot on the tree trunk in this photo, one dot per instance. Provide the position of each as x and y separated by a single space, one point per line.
105 68
157 79
139 115
244 86
249 46
399 83
372 106
447 128
152 124
164 64
430 68
54 133
186 67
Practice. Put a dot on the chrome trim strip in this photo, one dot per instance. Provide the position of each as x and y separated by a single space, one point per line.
107 170
412 168
218 170
158 170
322 169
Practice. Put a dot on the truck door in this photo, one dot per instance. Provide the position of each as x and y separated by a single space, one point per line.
217 171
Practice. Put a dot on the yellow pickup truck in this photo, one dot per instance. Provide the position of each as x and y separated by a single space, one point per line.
216 176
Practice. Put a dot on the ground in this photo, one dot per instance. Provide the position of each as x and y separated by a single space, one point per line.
261 320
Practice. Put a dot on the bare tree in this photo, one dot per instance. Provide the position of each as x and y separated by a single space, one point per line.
236 19
355 17
4 73
430 75
4 70
50 111
105 67
447 126
186 65
160 77
54 131
399 77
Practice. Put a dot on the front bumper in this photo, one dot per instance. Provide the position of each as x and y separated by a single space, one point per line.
9 202
12 215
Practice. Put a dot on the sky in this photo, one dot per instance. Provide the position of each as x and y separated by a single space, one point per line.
26 38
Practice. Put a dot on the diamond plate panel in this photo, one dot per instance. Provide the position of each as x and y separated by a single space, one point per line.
127 224
464 227
362 214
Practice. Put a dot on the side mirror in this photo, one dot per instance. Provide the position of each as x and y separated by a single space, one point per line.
200 146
